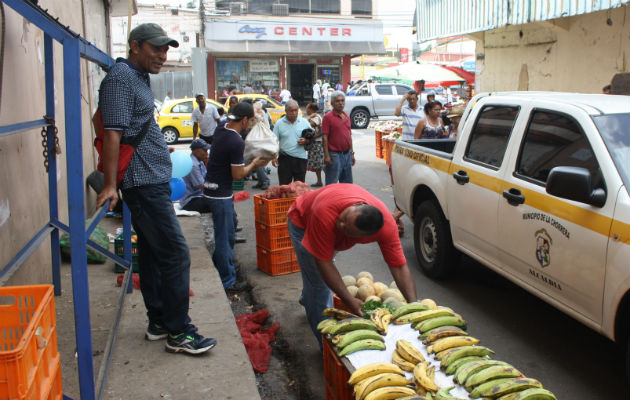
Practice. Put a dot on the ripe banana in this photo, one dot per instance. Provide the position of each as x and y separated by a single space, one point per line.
509 386
462 361
423 375
381 317
431 305
409 352
371 370
530 394
401 362
365 344
352 324
378 381
450 342
444 394
484 387
326 322
491 373
465 371
436 322
409 308
419 316
337 313
353 336
464 351
390 392
443 332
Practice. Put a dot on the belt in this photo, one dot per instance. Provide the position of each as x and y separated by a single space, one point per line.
340 152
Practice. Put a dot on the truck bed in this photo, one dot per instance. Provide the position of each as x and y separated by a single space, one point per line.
439 147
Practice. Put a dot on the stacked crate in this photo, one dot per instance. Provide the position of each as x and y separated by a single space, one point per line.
378 141
274 251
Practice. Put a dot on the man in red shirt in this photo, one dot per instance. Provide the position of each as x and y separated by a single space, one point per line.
336 218
337 142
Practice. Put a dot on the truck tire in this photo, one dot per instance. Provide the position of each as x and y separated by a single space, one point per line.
432 241
360 118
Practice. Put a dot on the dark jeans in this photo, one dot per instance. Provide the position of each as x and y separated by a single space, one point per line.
291 169
224 221
163 257
208 139
199 204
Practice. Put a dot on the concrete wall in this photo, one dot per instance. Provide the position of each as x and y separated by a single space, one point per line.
574 54
23 179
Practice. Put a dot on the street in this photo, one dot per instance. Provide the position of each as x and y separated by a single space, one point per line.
568 358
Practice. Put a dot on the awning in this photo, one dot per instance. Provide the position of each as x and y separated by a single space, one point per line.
412 72
288 47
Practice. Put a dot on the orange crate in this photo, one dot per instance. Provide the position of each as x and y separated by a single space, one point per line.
379 143
389 146
276 262
336 375
271 212
30 366
337 303
273 237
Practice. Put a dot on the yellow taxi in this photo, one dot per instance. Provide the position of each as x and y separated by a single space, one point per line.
274 107
174 118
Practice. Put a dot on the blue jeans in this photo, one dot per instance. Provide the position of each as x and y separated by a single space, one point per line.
163 257
316 295
224 220
340 168
262 175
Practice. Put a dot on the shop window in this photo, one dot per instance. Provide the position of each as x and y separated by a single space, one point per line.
260 7
325 7
361 7
298 6
258 73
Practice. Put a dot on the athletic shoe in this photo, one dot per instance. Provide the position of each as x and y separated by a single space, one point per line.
191 343
239 239
155 331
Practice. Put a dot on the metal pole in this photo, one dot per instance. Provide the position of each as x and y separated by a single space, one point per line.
53 202
76 212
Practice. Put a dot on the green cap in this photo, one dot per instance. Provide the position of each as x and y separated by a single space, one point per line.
152 33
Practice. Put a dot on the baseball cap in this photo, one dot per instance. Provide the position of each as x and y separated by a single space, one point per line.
241 110
199 144
152 33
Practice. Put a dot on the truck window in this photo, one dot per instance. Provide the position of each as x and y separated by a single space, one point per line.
490 135
553 140
402 90
384 89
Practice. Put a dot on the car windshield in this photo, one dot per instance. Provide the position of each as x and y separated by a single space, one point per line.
615 130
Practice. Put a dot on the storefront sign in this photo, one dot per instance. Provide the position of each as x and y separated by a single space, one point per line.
330 30
263 66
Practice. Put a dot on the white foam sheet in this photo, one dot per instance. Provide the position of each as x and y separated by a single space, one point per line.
394 333
180 212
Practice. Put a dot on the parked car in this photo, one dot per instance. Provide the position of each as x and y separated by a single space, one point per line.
174 118
374 100
275 109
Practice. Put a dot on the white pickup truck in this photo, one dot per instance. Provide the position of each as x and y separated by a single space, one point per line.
535 187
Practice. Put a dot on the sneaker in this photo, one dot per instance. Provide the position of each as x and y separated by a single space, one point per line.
238 287
239 239
155 331
191 343
238 228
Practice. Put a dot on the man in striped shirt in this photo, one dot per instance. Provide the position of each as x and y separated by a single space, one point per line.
411 114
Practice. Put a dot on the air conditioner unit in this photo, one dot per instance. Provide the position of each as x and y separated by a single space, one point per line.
280 10
237 8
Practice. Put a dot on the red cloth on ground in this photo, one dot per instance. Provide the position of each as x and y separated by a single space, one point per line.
256 339
240 196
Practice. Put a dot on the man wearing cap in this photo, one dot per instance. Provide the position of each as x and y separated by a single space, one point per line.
205 117
225 164
126 104
193 199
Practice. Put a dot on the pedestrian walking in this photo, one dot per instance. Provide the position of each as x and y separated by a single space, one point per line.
205 119
126 104
292 160
317 92
285 96
314 148
337 142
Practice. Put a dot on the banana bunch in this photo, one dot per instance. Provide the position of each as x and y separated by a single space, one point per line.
438 321
363 344
444 394
345 339
530 394
379 381
337 313
381 317
448 356
351 324
423 377
406 356
451 342
442 332
372 370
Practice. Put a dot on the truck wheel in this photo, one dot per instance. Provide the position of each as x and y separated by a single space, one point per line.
432 241
360 119
170 135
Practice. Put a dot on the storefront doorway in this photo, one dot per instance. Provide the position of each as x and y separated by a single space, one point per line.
301 82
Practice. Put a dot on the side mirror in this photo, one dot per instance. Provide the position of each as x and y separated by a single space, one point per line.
574 183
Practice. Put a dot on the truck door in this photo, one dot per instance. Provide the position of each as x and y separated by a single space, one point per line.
554 245
475 179
385 99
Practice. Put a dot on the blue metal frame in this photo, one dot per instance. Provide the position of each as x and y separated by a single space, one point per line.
74 48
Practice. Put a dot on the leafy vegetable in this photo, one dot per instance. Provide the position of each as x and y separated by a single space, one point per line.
372 305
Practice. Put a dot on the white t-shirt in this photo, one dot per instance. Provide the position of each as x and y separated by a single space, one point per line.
207 121
316 92
410 120
285 95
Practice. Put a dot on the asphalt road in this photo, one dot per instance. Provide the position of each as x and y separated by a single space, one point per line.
569 359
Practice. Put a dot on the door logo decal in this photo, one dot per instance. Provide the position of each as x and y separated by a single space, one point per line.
543 247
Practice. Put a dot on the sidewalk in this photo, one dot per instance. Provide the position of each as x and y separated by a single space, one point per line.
142 369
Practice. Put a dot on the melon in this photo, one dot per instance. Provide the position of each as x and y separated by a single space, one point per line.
393 285
429 303
365 281
353 290
375 298
395 293
393 302
349 280
365 274
365 291
379 288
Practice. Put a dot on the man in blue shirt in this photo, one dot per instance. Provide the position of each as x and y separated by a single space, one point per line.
225 164
293 157
194 200
126 104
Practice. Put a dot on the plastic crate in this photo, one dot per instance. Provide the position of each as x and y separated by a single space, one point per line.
338 303
274 237
238 184
378 135
276 262
387 151
119 248
336 375
30 366
272 212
